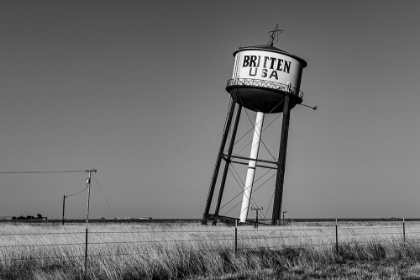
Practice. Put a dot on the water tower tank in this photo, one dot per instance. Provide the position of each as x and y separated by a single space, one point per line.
262 75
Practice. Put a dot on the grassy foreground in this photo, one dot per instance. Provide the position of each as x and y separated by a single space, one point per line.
193 251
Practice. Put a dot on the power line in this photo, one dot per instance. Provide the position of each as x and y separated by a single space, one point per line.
77 192
41 172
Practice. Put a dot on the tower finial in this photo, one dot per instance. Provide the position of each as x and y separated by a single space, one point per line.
274 35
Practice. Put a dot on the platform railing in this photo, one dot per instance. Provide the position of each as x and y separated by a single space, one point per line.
264 84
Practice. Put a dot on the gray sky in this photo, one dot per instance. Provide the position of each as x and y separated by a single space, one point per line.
136 90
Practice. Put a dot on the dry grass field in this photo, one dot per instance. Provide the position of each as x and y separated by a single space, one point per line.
192 251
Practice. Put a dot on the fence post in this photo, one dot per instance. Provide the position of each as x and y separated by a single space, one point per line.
404 231
64 208
336 236
236 236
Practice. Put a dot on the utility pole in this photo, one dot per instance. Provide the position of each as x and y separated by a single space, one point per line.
89 171
256 220
87 214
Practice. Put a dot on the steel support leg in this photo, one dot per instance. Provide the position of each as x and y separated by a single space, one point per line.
226 168
219 159
281 163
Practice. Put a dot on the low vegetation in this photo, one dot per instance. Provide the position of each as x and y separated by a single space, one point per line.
192 251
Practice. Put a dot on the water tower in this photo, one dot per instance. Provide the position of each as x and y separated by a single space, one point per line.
265 80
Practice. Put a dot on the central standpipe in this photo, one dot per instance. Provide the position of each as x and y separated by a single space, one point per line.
249 182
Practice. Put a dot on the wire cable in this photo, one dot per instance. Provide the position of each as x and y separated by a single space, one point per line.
243 184
254 192
241 192
77 192
41 172
40 233
266 127
104 196
271 199
236 179
241 189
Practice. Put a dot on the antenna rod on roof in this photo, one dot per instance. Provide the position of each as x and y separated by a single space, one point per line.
274 35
